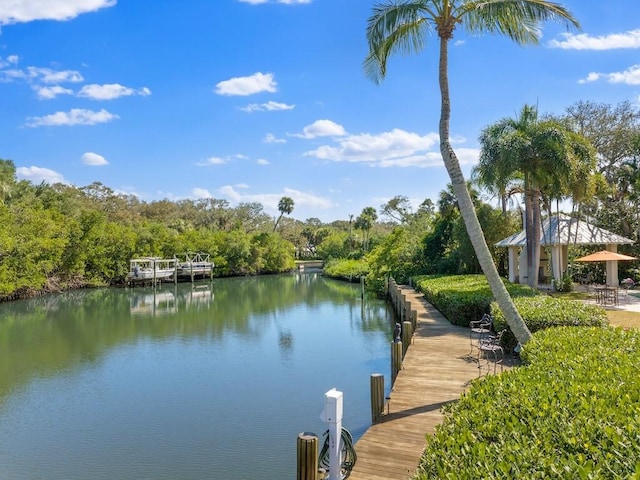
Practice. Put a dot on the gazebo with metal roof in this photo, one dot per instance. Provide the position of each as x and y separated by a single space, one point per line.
557 233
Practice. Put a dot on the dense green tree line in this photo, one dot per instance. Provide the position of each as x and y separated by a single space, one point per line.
59 236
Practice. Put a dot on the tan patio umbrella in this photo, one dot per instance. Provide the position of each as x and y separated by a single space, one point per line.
604 256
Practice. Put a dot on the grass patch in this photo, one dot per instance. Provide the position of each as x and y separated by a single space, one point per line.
620 318
617 318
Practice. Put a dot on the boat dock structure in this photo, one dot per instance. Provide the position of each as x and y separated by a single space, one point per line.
155 270
151 270
436 370
195 265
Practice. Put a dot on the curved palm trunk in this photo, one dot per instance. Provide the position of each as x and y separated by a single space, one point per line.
275 226
513 318
537 226
528 228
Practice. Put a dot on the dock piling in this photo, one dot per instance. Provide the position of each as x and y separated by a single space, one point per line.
307 456
377 396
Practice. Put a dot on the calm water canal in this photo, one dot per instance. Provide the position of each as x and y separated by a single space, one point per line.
211 381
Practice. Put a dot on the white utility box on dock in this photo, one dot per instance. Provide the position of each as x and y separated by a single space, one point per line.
332 414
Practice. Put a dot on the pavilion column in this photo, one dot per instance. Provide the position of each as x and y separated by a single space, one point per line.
556 261
513 264
612 267
522 260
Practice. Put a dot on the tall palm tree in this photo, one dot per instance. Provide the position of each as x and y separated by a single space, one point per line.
365 222
401 26
285 205
545 156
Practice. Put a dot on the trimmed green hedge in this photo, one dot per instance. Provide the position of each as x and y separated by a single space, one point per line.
573 411
463 298
544 311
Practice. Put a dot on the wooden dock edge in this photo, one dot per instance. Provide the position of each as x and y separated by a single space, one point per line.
436 370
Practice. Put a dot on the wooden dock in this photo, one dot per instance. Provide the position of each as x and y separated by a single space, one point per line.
436 370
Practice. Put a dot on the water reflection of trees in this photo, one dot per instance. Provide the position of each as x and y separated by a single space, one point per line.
41 336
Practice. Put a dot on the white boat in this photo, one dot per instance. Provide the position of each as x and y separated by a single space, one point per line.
150 269
195 265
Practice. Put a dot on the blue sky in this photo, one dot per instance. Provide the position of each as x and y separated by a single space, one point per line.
253 100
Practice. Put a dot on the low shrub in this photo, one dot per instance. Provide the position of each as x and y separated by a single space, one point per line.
463 298
573 411
350 270
543 312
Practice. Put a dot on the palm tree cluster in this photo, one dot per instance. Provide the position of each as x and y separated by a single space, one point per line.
403 26
540 158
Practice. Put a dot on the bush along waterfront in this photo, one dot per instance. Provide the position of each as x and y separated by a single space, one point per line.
572 411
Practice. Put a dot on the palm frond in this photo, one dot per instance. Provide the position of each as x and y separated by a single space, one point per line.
394 27
520 20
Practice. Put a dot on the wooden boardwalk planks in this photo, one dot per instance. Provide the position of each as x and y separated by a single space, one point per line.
435 371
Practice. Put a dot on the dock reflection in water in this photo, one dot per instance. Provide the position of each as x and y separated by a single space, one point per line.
153 301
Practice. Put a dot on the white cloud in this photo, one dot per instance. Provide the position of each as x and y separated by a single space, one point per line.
394 148
10 60
271 138
37 175
75 116
270 200
467 156
39 74
211 161
630 76
19 11
269 106
200 193
256 83
47 75
110 91
584 41
48 93
592 77
321 128
262 161
93 159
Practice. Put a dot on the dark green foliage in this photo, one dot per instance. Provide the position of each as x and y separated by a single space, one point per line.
335 245
543 311
398 255
573 412
463 298
57 236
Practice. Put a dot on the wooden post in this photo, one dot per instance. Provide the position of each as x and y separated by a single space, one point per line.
362 287
407 311
414 319
175 270
307 456
396 360
407 333
377 396
154 272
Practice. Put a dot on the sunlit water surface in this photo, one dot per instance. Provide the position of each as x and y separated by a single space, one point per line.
206 381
